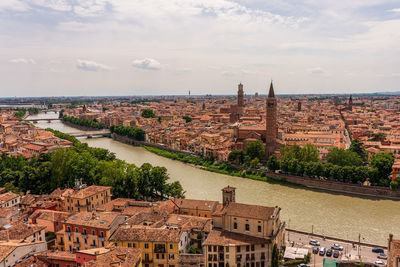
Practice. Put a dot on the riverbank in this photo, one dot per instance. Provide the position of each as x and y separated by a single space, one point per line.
259 175
285 179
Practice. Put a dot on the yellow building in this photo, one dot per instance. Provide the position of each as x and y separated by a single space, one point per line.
160 246
87 230
87 199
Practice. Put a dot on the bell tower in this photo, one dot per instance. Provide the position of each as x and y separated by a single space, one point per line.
228 195
271 122
240 100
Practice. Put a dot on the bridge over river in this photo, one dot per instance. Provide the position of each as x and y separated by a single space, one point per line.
91 134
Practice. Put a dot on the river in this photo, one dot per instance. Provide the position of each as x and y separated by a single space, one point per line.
330 214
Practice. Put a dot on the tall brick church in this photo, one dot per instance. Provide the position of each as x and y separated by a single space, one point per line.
267 133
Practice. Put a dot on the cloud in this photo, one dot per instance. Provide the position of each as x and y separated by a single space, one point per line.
396 10
147 64
87 65
23 61
58 5
317 71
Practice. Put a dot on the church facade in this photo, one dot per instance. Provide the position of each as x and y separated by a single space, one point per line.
267 134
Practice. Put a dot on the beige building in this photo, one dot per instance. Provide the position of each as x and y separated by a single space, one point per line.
9 199
243 235
13 252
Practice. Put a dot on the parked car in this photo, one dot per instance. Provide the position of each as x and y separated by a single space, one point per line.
336 254
382 256
322 251
378 250
314 242
379 263
329 252
315 250
303 265
337 247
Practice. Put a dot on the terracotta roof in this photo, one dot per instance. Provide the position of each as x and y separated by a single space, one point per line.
204 205
7 197
20 230
249 211
142 233
226 238
33 261
101 220
88 191
122 257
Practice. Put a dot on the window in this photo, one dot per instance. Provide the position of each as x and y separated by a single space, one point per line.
247 248
227 256
235 225
157 256
247 227
171 246
259 228
238 249
171 256
252 247
209 248
102 243
227 249
85 241
146 245
129 245
93 232
76 229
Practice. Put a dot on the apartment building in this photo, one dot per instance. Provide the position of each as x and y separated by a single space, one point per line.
160 246
9 199
87 198
87 230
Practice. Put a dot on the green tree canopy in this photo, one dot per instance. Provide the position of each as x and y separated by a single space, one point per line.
273 163
148 113
236 156
255 149
342 157
382 163
358 147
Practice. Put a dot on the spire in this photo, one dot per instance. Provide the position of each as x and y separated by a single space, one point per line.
271 91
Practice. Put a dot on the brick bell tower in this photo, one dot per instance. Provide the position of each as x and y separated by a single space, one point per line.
240 100
271 122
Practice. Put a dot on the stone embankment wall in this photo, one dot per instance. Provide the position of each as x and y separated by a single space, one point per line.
339 187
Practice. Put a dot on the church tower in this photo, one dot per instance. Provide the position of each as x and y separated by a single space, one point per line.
240 100
350 106
271 122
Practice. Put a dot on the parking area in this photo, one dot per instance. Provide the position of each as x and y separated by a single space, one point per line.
349 252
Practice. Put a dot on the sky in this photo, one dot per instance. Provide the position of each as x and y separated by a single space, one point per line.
168 47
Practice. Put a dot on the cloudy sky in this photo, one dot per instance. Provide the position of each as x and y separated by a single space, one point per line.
153 47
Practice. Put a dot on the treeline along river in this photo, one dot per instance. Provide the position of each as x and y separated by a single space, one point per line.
329 214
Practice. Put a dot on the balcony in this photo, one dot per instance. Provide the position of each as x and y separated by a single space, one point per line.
77 245
84 235
102 238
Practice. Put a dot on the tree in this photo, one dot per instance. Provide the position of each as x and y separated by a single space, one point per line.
358 147
309 153
148 113
378 137
187 119
255 149
383 163
254 163
273 163
342 157
275 256
236 156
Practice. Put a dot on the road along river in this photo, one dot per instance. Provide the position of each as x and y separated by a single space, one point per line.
303 209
